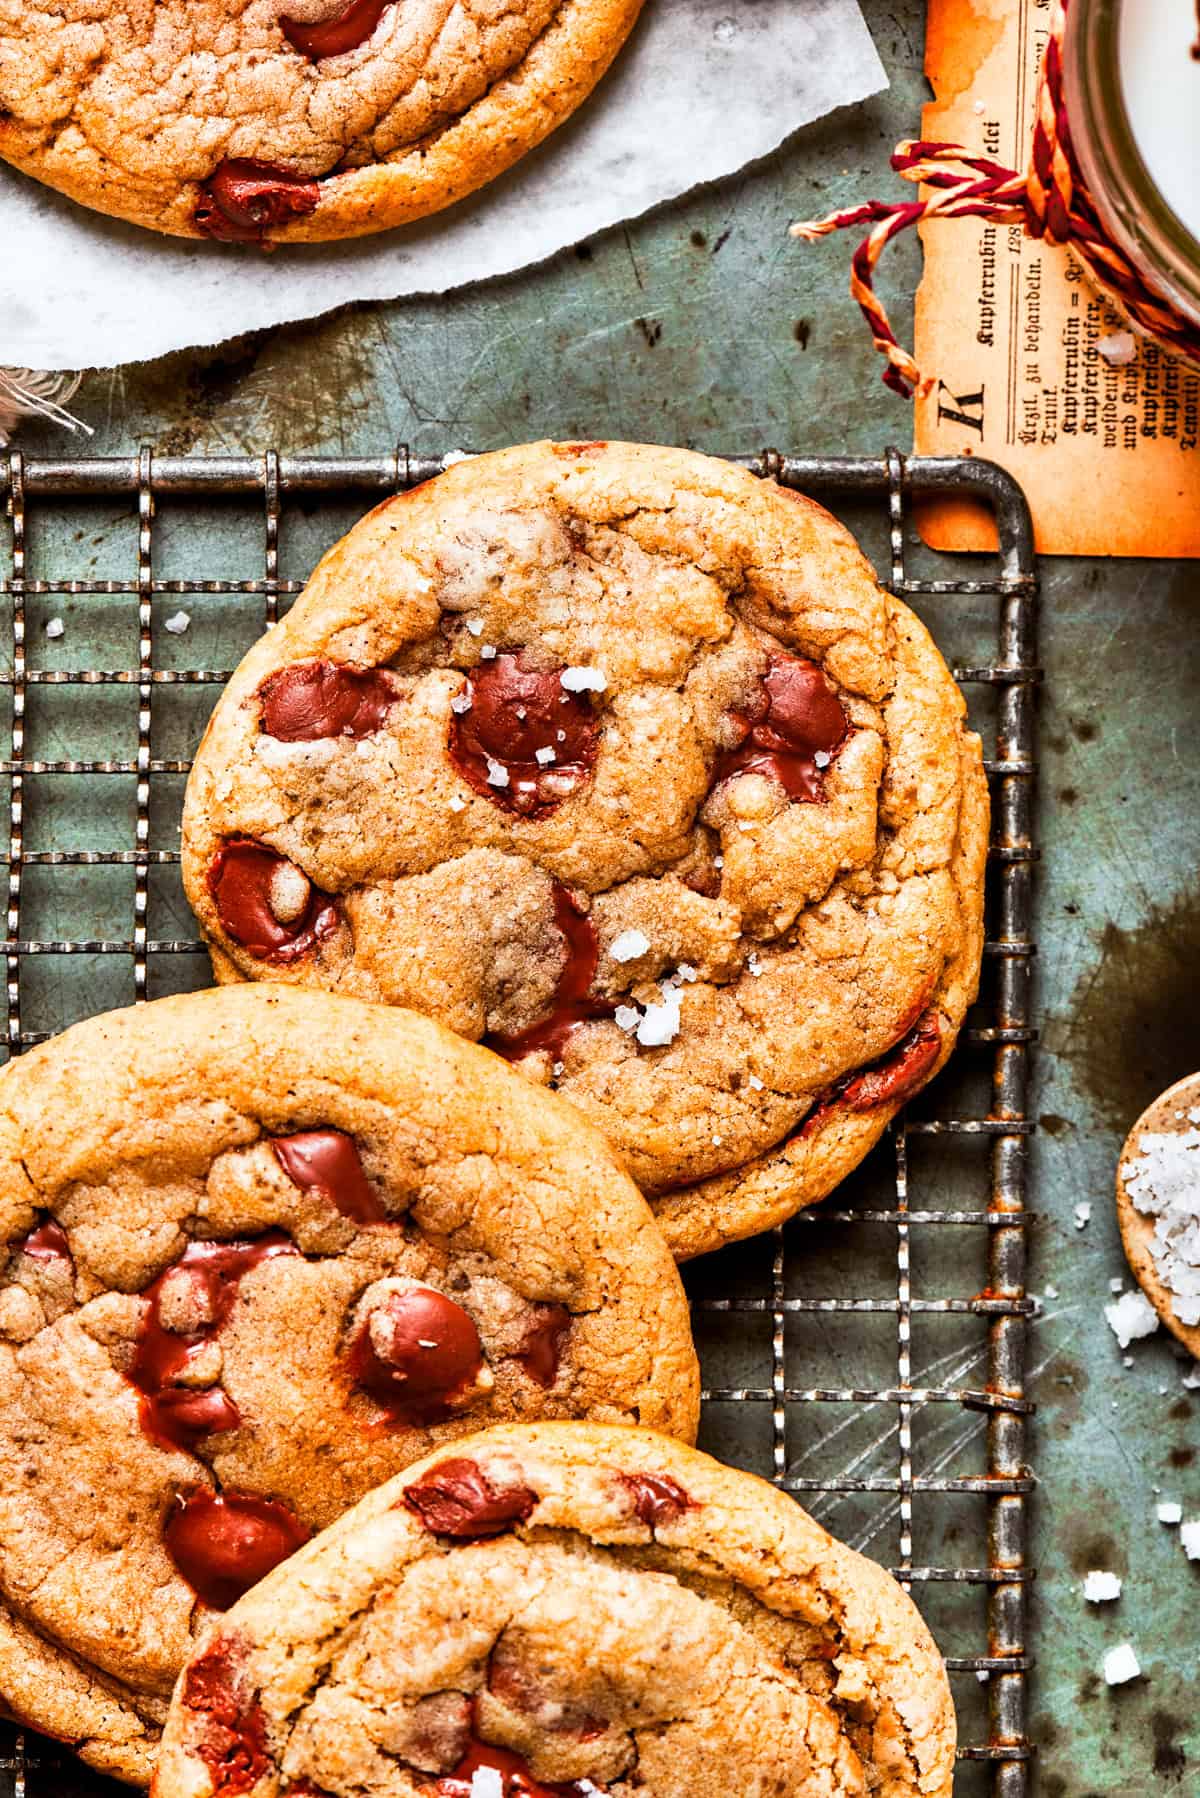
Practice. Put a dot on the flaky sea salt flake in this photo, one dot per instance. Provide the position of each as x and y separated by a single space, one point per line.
1189 1535
1170 1512
177 623
660 1023
497 773
583 680
1083 1215
1101 1588
1121 1665
55 627
1131 1318
629 945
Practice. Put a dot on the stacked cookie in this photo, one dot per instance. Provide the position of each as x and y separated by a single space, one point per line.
620 763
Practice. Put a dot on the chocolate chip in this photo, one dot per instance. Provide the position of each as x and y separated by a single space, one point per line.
541 1345
224 1543
456 1498
416 1352
243 199
47 1243
232 1737
900 1071
798 717
352 26
516 1777
887 1081
515 712
327 1162
241 880
573 1003
175 1415
657 1498
311 700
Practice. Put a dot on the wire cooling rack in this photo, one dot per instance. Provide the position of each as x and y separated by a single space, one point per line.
903 1299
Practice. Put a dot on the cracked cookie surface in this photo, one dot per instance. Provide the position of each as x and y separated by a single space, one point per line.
567 1609
290 120
655 791
263 1249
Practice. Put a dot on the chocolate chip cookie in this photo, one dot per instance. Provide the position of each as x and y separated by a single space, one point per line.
291 121
564 1608
621 761
263 1249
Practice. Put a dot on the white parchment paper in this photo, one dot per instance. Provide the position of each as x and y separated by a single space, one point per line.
703 87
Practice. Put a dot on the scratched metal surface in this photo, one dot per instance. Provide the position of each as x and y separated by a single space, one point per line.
705 325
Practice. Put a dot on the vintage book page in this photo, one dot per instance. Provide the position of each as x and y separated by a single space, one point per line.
1008 328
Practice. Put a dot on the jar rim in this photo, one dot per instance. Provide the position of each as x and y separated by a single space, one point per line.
1129 202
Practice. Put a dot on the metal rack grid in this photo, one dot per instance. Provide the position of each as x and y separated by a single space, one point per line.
869 1487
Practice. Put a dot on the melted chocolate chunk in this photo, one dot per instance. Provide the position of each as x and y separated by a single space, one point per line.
175 1415
514 713
311 700
900 1071
240 881
887 1081
572 1004
541 1346
327 1162
799 716
47 1243
657 1498
243 199
233 1744
417 1353
224 1543
346 30
456 1498
516 1779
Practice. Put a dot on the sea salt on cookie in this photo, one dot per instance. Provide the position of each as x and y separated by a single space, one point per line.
621 761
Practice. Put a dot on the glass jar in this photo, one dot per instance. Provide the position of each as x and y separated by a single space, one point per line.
1132 95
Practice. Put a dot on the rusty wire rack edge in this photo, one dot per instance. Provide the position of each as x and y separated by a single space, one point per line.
1017 675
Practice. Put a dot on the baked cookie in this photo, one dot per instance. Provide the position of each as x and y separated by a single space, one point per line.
620 760
562 1608
264 1249
1158 1207
291 121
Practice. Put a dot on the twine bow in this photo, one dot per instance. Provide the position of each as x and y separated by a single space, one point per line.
1050 201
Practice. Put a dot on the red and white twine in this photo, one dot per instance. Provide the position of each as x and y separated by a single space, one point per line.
1050 201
